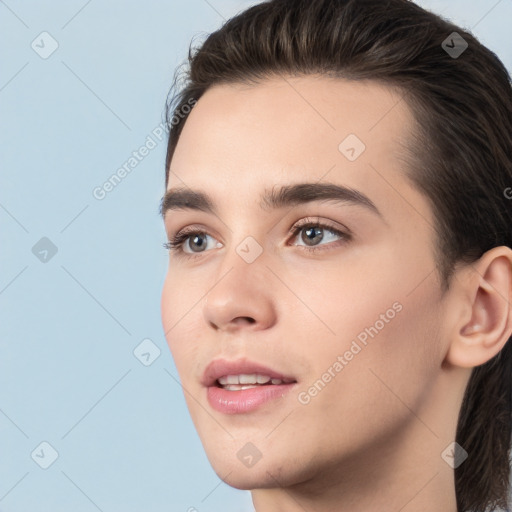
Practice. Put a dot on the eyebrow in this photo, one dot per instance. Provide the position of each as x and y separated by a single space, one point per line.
286 196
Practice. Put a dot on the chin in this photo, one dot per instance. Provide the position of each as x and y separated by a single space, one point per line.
249 479
266 473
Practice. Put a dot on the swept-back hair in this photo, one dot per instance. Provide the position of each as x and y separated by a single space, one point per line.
459 154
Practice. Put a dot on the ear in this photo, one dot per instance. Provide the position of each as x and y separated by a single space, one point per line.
485 308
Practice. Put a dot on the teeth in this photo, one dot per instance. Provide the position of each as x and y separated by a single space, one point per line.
246 378
237 387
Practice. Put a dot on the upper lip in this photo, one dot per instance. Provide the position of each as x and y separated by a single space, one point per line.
221 367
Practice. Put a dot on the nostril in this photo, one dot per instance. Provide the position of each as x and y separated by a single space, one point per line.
243 319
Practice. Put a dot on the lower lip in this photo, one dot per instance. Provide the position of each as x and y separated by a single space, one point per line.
245 400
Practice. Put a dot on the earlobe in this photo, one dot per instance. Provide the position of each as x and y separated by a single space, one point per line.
488 295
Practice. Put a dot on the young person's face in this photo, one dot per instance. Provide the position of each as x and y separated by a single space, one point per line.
358 324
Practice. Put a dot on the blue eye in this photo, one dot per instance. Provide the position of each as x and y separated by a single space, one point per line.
179 241
314 231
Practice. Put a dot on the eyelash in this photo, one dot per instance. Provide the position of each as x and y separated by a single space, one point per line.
175 245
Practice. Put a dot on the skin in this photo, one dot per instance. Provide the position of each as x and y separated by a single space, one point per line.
372 438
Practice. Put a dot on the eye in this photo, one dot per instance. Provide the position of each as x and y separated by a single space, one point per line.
197 238
313 232
187 240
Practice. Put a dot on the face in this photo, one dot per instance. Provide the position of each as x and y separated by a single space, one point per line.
339 295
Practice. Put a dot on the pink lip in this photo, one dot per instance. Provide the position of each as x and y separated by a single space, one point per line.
244 400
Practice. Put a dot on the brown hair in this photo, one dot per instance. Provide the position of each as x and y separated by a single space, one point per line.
460 155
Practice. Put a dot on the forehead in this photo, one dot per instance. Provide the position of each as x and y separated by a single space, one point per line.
241 139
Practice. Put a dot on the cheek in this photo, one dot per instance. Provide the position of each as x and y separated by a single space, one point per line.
168 304
181 298
338 300
382 325
178 305
388 346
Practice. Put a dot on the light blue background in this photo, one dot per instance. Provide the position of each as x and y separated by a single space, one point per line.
68 329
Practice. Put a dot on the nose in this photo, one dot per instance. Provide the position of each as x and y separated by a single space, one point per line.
241 297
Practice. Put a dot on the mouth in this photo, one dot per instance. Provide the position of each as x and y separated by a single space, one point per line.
243 386
249 381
